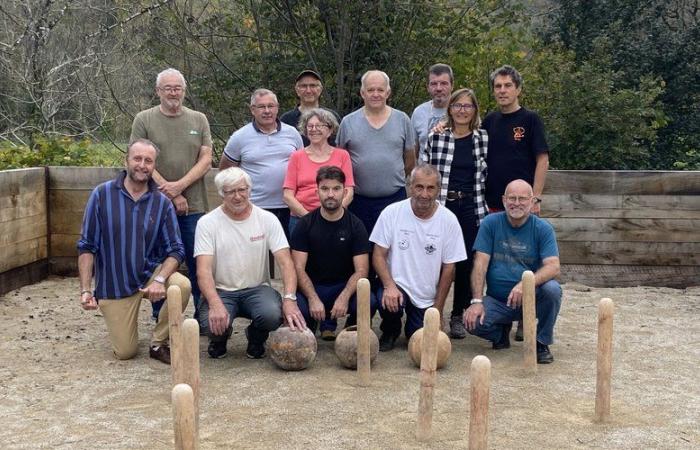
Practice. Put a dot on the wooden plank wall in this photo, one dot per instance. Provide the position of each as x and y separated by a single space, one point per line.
614 228
23 227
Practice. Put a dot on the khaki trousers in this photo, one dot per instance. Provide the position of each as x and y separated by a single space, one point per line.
121 317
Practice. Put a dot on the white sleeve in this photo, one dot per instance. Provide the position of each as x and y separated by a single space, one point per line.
454 250
276 240
204 238
381 234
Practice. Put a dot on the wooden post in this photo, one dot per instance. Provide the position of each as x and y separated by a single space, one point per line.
604 359
190 358
363 331
174 304
529 323
480 384
428 370
183 417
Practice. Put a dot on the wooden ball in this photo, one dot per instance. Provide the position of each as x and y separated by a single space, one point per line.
292 350
346 347
444 348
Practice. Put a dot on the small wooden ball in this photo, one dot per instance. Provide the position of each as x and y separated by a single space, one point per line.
346 347
444 348
292 350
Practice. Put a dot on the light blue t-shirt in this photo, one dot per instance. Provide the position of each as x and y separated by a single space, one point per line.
377 154
513 250
264 157
423 119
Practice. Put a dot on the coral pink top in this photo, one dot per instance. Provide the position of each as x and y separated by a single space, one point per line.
301 175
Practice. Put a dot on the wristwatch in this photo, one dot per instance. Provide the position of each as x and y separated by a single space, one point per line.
292 297
476 300
159 279
537 200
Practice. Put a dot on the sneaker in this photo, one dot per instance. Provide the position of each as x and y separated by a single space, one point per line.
217 349
504 341
328 335
387 342
160 352
457 330
254 350
544 356
519 332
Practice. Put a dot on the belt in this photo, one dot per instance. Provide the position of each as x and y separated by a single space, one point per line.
458 195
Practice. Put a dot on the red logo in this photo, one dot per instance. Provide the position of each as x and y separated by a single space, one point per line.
257 238
518 133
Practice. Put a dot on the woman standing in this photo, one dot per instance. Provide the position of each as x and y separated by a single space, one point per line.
459 153
300 183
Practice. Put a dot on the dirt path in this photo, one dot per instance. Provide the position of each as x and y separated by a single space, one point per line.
60 388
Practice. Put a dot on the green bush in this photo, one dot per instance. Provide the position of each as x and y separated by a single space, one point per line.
61 151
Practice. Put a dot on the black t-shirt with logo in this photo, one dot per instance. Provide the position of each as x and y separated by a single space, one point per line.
515 140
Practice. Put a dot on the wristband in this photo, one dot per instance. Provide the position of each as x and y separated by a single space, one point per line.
475 301
159 279
291 297
88 291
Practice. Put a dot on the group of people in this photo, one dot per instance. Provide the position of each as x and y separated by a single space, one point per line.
413 204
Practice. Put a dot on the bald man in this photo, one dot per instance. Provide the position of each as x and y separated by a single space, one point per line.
509 243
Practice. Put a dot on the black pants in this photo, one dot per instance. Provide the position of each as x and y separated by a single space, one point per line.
464 210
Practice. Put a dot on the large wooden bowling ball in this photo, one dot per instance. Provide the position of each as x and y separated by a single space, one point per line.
444 348
292 350
346 347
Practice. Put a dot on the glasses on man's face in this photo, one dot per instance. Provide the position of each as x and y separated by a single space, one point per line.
316 126
233 192
265 107
460 106
172 89
518 199
308 86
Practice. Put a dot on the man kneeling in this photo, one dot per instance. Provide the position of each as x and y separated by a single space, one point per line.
509 243
232 244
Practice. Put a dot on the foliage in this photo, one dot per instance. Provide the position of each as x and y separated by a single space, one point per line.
59 152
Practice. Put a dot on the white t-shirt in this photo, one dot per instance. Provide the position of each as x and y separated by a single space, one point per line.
418 248
240 248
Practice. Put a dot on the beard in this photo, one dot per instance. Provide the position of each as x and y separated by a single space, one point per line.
331 205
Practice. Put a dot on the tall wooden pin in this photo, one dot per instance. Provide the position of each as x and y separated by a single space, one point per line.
190 357
363 332
428 371
529 323
604 359
480 387
183 417
174 302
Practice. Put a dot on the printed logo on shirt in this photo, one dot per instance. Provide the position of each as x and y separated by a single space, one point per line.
430 249
194 132
518 133
403 244
259 237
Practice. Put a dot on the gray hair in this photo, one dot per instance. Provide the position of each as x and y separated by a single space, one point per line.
229 177
260 93
326 117
142 142
375 72
171 71
425 169
506 71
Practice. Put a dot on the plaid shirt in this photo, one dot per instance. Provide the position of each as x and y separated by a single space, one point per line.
438 152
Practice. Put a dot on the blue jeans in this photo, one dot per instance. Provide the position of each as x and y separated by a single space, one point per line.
328 294
293 220
391 321
547 304
261 304
187 225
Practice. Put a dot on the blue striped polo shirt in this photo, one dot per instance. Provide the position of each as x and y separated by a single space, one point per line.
128 238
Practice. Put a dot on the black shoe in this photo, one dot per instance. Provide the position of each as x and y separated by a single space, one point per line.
255 350
544 356
217 349
387 342
519 331
504 341
160 352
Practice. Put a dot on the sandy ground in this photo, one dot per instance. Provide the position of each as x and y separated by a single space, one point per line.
60 387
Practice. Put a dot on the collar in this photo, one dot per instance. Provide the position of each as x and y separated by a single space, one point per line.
119 182
279 127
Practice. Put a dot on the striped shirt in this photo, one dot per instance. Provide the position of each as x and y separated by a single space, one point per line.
128 238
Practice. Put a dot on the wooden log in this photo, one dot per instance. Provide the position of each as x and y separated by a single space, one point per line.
183 417
630 253
480 388
363 331
529 323
626 276
80 178
633 230
604 360
428 373
632 182
611 205
174 305
190 358
19 254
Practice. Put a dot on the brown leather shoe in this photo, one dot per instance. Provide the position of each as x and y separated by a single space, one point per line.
161 353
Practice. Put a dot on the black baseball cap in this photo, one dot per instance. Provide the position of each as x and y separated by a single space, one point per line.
308 72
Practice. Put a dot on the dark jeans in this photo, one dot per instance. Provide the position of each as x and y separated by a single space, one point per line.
464 210
261 304
367 209
282 215
328 294
391 321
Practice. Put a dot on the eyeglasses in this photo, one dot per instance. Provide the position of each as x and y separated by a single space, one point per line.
264 107
309 86
234 192
438 83
465 106
516 199
172 89
317 126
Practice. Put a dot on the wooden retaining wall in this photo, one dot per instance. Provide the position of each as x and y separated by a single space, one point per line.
614 228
